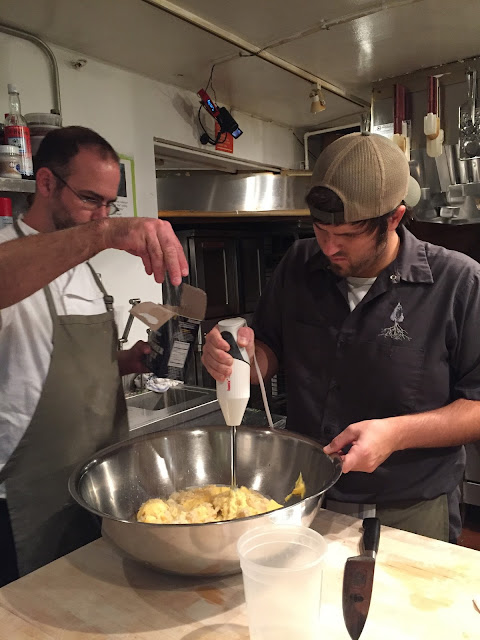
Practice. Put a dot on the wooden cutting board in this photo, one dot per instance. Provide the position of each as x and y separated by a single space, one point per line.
423 590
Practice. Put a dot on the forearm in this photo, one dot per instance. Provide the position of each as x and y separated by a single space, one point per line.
133 360
457 423
267 362
123 363
30 263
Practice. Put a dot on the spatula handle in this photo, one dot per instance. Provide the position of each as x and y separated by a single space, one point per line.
371 534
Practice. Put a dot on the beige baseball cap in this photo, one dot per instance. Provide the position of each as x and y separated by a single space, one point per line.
368 172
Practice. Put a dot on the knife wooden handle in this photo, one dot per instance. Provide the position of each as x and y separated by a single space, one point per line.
371 534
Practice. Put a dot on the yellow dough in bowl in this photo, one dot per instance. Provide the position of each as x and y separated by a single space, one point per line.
299 489
211 503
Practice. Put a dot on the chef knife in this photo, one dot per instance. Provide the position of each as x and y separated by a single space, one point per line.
358 580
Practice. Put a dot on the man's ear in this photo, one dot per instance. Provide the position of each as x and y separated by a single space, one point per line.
46 182
396 217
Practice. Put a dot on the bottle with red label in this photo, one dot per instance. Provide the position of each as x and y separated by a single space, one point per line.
16 132
6 218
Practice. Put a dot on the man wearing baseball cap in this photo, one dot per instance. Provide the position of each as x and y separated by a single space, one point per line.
377 333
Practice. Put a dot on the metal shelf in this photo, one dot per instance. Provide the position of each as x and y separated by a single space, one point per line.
14 185
465 189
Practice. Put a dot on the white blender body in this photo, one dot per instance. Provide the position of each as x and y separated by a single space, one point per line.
234 393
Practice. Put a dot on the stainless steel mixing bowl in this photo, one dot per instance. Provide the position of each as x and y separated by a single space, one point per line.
118 479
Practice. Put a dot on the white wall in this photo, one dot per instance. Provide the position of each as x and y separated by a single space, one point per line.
129 111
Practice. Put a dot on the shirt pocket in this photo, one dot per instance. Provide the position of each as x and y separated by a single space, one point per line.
310 351
381 380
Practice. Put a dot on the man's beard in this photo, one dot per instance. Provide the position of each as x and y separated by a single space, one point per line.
62 218
358 268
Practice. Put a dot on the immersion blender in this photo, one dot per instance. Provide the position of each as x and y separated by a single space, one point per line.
233 394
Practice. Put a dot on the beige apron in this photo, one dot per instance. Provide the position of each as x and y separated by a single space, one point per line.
81 409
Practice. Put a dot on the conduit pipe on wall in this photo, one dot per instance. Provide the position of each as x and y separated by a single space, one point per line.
18 33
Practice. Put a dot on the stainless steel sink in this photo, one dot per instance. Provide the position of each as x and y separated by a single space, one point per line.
147 407
158 401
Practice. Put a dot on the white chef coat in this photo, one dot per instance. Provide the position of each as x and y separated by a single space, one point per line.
26 332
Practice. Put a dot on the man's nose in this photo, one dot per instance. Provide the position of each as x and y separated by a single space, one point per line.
330 246
101 212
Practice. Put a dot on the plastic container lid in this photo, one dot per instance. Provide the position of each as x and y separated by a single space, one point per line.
51 119
9 149
42 127
12 88
5 207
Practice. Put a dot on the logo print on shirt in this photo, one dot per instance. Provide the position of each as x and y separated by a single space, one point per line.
396 332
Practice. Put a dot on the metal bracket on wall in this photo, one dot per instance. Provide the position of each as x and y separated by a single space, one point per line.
18 33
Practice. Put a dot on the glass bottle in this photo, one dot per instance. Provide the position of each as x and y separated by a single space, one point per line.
16 132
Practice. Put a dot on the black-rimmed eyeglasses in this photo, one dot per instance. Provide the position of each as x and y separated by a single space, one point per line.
91 203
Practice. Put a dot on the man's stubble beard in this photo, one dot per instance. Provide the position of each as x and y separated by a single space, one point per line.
61 218
353 270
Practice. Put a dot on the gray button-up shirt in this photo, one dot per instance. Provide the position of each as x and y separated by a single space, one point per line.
411 345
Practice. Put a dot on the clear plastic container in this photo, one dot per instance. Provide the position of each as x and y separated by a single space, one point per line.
39 130
49 119
9 161
40 124
35 142
282 577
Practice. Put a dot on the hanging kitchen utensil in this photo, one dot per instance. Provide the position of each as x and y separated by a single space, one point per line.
406 133
365 122
358 580
467 120
431 122
399 116
401 119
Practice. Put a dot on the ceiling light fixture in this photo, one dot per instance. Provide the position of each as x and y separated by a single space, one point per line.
318 101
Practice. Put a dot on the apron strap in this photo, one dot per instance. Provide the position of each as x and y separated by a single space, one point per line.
46 289
51 305
107 298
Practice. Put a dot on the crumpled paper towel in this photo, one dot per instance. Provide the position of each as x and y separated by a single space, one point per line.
152 383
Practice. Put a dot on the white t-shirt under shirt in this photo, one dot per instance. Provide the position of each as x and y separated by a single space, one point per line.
358 289
26 345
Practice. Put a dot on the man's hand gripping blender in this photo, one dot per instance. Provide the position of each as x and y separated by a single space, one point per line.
233 394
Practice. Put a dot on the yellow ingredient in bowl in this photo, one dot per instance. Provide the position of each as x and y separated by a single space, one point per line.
211 503
298 489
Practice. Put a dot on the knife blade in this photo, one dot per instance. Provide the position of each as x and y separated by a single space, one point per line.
358 580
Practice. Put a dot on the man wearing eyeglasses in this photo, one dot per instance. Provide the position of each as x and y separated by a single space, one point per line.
61 396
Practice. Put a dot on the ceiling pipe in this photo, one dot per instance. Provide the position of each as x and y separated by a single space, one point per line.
17 33
231 38
326 25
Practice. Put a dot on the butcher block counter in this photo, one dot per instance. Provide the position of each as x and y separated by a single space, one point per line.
423 589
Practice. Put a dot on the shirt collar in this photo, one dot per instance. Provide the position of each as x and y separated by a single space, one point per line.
27 230
411 263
